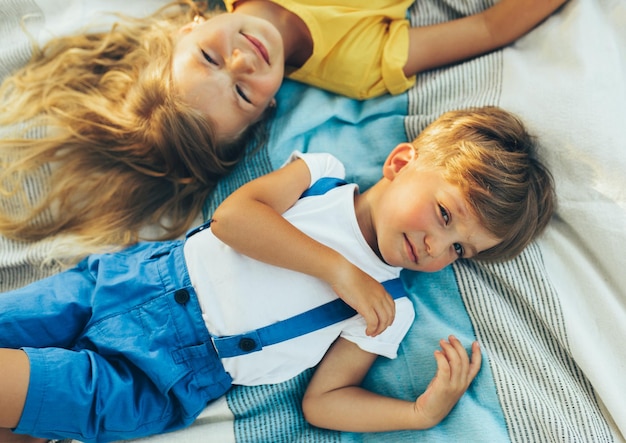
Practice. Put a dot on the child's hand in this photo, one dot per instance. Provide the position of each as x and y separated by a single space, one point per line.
368 297
455 373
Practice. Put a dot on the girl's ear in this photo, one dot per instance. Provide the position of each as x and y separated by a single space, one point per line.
399 157
189 26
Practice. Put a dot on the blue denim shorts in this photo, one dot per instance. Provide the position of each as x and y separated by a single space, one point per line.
117 346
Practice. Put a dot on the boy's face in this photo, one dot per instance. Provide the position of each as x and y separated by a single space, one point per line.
229 67
423 221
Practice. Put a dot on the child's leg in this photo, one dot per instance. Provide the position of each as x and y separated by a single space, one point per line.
14 372
107 399
6 436
14 375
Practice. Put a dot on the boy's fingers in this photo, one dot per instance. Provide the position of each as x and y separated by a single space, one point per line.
476 360
461 352
461 366
444 370
381 316
451 352
372 321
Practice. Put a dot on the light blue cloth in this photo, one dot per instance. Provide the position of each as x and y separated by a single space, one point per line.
358 133
439 312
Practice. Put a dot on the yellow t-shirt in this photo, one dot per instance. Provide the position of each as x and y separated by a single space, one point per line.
358 51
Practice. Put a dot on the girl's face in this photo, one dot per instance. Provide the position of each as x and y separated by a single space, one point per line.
423 221
229 67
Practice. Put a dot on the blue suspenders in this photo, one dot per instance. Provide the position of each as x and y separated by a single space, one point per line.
301 324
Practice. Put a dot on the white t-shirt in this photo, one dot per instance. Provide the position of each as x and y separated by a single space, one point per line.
238 294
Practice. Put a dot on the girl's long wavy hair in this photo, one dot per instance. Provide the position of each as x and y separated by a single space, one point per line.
121 150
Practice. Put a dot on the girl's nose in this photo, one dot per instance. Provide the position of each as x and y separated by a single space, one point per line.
241 62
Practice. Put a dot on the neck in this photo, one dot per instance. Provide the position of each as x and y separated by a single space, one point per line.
364 205
296 36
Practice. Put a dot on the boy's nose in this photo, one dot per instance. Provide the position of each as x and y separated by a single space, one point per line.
435 246
241 62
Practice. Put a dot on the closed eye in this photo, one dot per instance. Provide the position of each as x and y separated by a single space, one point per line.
242 94
208 58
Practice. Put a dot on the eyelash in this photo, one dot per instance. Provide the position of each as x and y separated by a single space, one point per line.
445 215
238 89
208 58
242 94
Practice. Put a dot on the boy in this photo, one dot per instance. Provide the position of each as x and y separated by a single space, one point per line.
151 326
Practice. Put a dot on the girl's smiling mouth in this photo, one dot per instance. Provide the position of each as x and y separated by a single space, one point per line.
259 47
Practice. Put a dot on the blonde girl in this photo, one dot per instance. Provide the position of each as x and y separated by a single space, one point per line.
118 146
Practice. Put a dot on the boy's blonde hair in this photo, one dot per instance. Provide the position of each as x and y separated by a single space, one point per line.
121 149
488 153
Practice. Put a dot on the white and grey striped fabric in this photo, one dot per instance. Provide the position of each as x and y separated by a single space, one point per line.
515 311
21 263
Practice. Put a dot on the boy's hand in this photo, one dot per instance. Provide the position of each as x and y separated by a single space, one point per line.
455 372
368 297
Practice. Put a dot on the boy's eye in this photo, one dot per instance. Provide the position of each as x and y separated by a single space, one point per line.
242 94
459 250
208 58
444 214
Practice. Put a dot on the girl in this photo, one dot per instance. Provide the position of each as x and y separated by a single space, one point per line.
236 62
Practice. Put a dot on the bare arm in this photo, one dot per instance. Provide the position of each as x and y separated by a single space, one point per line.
334 399
250 221
453 41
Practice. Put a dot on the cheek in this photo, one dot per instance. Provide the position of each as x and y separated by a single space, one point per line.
188 79
437 265
268 85
412 220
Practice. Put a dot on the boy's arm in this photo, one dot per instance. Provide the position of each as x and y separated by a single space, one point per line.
334 399
457 40
250 221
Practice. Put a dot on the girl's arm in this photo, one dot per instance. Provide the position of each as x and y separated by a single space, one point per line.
457 40
334 399
250 221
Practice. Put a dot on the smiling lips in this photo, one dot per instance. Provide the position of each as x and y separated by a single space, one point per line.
260 48
410 250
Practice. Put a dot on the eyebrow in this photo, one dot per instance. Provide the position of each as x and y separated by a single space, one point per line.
463 212
461 208
473 250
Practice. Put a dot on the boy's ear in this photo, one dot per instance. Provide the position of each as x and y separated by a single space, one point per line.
397 159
